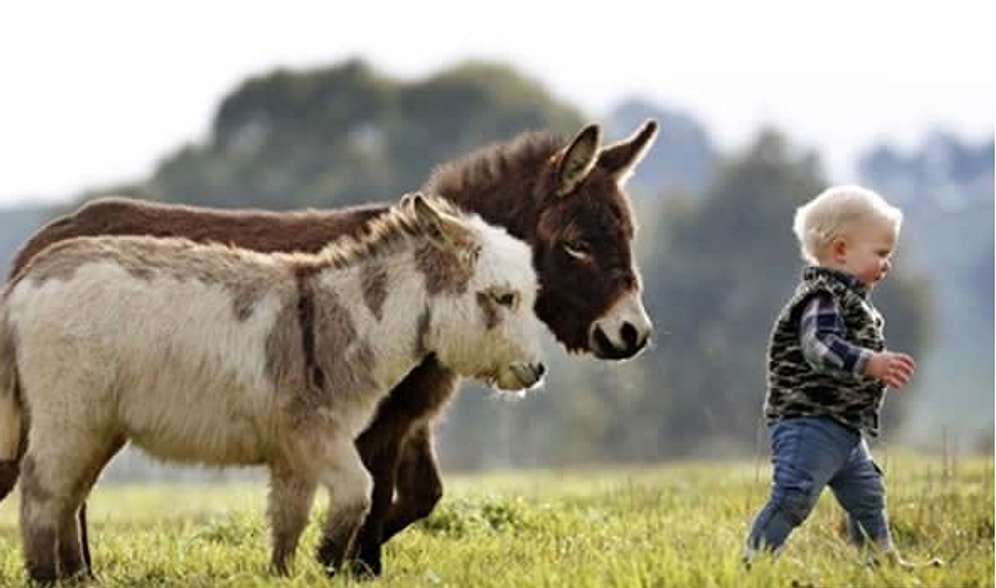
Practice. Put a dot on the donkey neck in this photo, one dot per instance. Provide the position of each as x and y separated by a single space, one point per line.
369 321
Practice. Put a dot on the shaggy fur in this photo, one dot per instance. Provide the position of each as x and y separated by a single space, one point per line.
108 339
565 198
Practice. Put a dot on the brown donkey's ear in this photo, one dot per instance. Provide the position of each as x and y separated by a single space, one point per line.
446 232
620 158
578 159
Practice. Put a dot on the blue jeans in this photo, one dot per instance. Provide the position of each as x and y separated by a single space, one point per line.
809 453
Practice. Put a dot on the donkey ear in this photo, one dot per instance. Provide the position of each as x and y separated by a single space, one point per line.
445 231
578 159
425 214
408 199
620 158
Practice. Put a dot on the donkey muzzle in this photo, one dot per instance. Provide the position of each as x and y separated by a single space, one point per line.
521 376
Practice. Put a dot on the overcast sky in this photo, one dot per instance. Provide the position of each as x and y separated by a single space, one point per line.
95 92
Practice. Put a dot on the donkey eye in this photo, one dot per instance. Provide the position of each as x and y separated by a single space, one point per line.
506 299
578 249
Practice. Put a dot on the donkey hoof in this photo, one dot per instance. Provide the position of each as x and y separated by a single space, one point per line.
43 575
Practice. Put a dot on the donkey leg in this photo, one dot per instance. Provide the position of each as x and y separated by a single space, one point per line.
68 546
419 482
379 447
51 490
290 501
414 402
39 518
349 485
72 545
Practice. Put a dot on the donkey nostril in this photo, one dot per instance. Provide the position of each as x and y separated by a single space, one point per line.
540 370
629 335
601 340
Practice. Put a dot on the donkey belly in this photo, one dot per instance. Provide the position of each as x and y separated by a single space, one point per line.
192 387
215 423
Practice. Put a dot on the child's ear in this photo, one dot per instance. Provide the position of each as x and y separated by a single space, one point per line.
838 249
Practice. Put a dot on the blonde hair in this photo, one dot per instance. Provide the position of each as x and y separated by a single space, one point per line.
834 212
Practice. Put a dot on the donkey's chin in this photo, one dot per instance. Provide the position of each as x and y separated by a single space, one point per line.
518 377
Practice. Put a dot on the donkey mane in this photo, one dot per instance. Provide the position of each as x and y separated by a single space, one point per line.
493 168
384 235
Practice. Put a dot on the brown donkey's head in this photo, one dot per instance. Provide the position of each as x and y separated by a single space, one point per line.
591 291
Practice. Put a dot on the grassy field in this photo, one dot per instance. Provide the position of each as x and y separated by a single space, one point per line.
676 525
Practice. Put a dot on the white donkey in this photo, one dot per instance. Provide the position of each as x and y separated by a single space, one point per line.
218 355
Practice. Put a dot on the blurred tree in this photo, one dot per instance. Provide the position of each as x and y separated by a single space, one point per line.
346 134
683 159
16 225
467 106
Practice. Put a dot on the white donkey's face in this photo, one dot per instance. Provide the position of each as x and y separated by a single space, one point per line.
489 331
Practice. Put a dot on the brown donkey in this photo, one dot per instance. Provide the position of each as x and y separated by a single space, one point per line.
565 198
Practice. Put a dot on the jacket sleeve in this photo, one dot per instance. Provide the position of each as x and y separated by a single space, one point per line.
823 337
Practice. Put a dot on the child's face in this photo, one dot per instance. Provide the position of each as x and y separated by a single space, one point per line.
866 252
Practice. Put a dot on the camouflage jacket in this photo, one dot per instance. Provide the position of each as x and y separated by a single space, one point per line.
795 388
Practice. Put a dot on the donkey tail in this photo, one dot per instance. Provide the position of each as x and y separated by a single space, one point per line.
13 424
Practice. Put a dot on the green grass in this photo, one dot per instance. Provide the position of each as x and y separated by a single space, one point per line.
678 525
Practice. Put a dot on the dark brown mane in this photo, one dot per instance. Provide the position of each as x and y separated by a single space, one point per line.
487 167
500 178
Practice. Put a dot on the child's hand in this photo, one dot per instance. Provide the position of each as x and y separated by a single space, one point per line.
894 369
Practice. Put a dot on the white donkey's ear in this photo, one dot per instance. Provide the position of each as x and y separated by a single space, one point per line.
425 213
444 230
408 199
